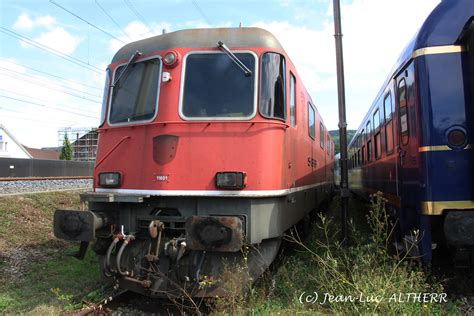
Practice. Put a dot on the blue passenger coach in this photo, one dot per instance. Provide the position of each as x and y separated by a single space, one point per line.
415 143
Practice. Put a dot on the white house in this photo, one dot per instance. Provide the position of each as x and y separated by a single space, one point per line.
10 147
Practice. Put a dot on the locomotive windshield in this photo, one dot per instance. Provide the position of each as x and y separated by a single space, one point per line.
135 95
214 87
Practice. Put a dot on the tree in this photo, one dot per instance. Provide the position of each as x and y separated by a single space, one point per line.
66 150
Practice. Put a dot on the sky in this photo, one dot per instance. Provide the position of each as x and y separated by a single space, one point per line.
53 53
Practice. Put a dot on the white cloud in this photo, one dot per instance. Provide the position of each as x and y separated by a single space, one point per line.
10 64
58 39
46 20
55 36
23 22
373 39
309 49
135 31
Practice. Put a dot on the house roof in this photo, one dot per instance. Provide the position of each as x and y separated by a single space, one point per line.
15 140
43 153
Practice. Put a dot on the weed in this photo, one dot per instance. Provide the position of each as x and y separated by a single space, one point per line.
365 278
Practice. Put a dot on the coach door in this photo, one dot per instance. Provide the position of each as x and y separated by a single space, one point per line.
403 136
407 174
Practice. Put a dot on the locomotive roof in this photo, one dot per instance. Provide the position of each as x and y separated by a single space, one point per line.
200 38
442 27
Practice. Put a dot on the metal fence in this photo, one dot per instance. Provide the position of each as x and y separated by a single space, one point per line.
15 167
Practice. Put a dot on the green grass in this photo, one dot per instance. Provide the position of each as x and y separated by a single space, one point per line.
27 219
60 283
53 281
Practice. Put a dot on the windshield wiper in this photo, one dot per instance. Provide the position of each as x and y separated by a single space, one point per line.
130 61
234 58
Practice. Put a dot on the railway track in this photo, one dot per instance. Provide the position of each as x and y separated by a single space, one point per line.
128 303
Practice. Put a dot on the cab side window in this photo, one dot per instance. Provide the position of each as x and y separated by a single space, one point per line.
311 121
292 101
321 135
272 86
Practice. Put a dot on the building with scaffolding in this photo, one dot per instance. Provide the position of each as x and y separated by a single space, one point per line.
83 142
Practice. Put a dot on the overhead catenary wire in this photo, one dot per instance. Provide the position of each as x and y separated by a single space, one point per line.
50 88
40 100
53 75
50 50
47 106
85 21
196 5
112 19
135 11
48 82
30 119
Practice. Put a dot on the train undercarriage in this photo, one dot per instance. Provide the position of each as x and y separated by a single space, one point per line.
182 246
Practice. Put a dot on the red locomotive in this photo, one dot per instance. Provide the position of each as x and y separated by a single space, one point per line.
208 142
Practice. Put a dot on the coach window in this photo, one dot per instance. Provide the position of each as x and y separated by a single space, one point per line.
311 121
377 145
369 150
369 141
403 112
321 135
363 154
292 101
211 83
388 123
135 92
362 135
272 86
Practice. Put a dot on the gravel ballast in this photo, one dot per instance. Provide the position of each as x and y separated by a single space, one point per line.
23 186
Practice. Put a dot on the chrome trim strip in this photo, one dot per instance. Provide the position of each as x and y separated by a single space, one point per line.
442 148
218 193
219 118
438 50
111 93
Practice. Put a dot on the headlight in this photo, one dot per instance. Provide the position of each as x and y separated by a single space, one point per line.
171 59
230 180
109 179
